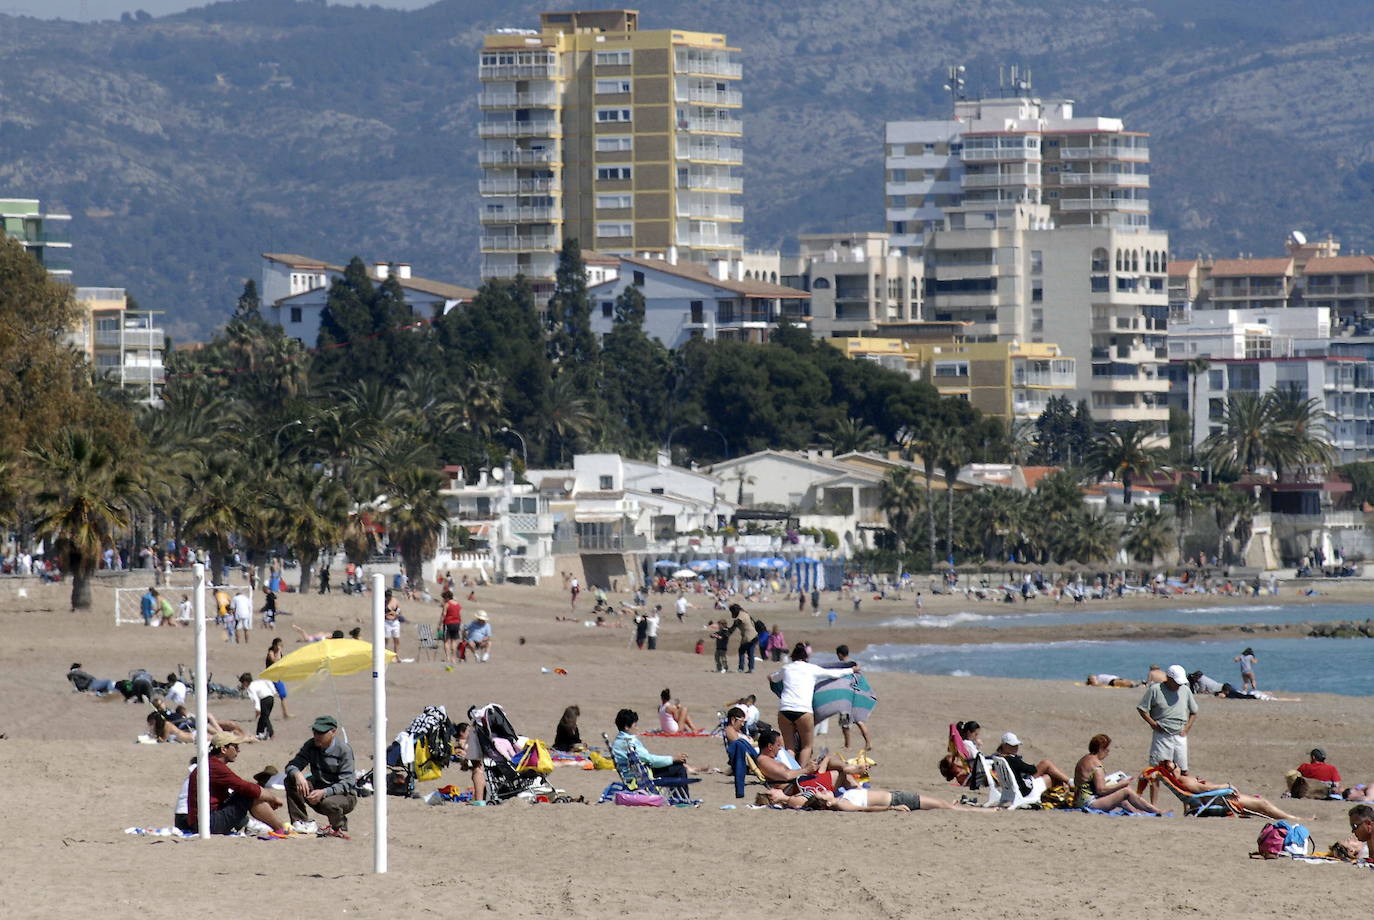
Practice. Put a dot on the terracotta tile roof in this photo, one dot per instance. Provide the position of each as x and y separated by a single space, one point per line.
694 271
1180 267
1338 265
1239 268
1034 474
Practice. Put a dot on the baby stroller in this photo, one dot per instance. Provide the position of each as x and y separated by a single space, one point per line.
494 741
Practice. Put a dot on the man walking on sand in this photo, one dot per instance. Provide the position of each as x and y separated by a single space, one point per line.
1170 710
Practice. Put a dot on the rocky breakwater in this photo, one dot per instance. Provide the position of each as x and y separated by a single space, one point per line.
1342 629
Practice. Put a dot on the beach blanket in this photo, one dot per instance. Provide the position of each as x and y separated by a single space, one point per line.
834 696
663 734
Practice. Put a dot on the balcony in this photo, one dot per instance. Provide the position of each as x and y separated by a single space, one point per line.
711 241
702 96
534 100
141 337
517 157
1018 177
1043 379
715 183
708 153
524 214
518 186
710 66
992 154
1112 180
543 128
137 373
1104 153
711 211
711 125
521 243
506 272
611 542
1133 205
547 71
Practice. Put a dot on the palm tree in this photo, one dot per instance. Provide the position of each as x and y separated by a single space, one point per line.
853 435
1186 500
1246 430
1122 453
953 452
925 445
899 499
82 495
217 494
1230 506
311 512
1148 535
414 516
570 417
1196 368
1298 436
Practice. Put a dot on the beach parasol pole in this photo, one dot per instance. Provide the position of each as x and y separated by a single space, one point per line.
202 689
378 725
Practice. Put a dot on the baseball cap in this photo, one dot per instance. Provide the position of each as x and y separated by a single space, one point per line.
223 739
325 724
1318 754
1176 674
1010 740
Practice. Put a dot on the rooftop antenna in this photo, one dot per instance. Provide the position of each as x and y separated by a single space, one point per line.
954 75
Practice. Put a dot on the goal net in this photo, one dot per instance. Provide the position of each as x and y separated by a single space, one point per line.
128 601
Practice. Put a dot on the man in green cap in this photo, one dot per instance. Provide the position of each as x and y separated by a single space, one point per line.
330 788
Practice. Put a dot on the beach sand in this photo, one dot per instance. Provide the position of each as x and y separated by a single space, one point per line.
76 779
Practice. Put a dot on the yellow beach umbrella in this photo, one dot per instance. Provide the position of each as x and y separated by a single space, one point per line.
337 657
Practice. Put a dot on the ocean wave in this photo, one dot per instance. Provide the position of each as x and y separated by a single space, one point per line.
957 672
1224 610
937 622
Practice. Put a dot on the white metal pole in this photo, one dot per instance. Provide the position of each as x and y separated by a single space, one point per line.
202 790
378 724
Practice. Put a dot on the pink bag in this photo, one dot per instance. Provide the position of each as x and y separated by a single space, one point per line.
639 798
1270 842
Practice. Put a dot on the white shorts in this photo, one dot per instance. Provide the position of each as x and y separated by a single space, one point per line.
1165 746
391 629
245 622
857 797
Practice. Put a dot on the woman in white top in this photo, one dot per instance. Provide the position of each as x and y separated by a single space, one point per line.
796 720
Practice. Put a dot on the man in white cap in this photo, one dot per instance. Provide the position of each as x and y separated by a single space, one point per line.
479 636
1026 773
1170 710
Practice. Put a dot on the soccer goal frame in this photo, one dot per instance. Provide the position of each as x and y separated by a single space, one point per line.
127 611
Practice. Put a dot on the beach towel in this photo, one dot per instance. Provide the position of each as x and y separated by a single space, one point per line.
663 734
850 695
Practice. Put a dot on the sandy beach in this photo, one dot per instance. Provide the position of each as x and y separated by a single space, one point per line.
77 779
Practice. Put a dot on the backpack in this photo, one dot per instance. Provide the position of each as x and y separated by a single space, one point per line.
1283 839
1269 845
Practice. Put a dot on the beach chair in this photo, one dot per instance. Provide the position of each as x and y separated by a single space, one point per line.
1011 795
428 641
1217 803
636 776
744 769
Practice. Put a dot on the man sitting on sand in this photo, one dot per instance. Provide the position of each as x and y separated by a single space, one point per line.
232 798
828 771
1315 779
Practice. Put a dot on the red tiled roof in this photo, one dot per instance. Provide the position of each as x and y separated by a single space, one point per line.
1338 265
1240 268
695 271
1034 474
1180 267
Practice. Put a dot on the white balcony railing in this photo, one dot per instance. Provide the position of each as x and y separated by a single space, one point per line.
520 214
712 125
710 65
521 242
546 71
1134 205
1104 153
710 153
703 96
710 211
1043 380
723 183
995 180
1116 180
531 100
711 240
984 154
542 128
510 186
532 270
517 157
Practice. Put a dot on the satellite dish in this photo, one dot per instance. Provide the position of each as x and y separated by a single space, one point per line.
498 474
569 485
1298 237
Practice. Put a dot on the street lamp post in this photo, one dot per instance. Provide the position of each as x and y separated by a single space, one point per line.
524 452
276 441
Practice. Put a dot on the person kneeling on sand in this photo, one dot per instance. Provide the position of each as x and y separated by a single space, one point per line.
826 772
855 800
232 798
1091 789
331 786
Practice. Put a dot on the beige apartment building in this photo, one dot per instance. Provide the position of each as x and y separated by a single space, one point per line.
628 141
858 282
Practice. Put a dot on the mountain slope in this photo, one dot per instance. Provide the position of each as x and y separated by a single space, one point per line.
187 145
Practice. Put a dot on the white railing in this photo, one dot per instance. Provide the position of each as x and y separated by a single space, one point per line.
993 180
724 183
518 71
1104 153
493 100
535 270
517 186
710 211
514 243
1043 380
705 152
517 157
520 214
1119 180
710 65
712 125
711 241
980 154
1104 204
705 96
543 128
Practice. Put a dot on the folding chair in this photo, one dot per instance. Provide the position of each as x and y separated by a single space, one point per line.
1216 803
635 776
428 641
1011 795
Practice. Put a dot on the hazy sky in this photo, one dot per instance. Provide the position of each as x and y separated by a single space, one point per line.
110 9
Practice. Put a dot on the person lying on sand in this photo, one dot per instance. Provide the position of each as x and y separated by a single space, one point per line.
316 637
856 800
178 725
1195 786
1109 680
1228 692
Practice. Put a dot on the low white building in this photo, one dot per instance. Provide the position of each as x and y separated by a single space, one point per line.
509 529
684 300
294 290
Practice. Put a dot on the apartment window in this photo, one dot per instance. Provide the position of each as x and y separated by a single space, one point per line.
638 279
613 173
1216 380
612 86
1037 261
615 229
609 115
951 368
607 308
1037 294
1216 408
295 314
613 58
607 483
899 226
614 143
696 311
899 175
614 202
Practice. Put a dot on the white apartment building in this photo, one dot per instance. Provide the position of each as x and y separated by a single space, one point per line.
1097 291
858 281
686 300
1088 169
125 346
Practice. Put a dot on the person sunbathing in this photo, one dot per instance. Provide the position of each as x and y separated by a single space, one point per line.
1228 692
1091 789
178 725
1109 680
1194 786
827 772
855 800
673 718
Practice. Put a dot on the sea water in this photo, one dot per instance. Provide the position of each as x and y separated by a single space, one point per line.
1287 667
1103 612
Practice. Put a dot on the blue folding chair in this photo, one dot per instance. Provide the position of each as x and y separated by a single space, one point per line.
636 776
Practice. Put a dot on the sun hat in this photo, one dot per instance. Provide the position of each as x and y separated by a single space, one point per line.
222 740
1176 674
1010 740
325 724
482 615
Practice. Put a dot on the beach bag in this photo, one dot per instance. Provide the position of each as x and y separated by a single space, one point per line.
535 758
600 761
640 798
1060 796
425 767
1284 839
1269 845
